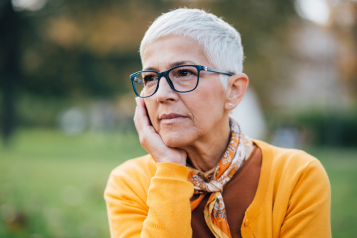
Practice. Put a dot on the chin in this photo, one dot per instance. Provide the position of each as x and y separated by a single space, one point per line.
175 139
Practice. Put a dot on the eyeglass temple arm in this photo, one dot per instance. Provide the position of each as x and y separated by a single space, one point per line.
137 79
218 71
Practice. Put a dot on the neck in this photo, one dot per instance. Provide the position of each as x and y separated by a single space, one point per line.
206 152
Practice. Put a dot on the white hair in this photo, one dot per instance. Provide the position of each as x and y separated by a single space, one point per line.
220 41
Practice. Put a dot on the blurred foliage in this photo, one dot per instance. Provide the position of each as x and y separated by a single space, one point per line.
84 50
330 129
318 127
75 48
81 51
52 185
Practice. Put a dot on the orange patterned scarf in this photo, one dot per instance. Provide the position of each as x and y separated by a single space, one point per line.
215 212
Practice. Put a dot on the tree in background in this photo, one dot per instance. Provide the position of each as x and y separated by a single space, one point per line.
87 49
70 50
12 27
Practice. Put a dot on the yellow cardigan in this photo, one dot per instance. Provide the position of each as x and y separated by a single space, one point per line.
145 199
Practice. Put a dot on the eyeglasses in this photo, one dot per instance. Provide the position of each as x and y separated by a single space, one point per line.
182 79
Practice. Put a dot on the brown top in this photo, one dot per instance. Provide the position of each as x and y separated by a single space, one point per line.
238 194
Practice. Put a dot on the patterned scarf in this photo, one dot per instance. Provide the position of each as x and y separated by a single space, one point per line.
215 212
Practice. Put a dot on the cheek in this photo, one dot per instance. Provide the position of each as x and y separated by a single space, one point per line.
210 98
208 113
207 106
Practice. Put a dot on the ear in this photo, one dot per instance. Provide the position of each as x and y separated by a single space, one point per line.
236 87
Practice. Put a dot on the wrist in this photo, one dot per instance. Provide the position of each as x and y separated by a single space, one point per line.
178 161
172 170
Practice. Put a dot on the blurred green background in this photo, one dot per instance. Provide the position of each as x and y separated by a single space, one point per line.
66 103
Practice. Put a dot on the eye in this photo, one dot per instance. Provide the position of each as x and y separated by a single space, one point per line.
184 73
149 78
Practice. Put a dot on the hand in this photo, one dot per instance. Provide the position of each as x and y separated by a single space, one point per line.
151 140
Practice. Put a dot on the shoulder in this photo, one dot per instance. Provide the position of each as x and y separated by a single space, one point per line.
291 166
292 159
293 192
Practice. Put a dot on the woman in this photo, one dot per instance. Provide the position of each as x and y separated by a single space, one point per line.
203 177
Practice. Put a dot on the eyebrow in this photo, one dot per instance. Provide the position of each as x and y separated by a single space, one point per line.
174 64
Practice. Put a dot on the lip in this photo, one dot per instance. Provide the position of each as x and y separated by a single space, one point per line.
171 118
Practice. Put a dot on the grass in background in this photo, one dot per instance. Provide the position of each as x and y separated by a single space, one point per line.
51 184
341 167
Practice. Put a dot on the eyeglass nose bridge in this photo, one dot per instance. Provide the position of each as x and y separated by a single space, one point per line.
168 80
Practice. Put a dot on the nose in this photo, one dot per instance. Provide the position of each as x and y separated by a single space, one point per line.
165 93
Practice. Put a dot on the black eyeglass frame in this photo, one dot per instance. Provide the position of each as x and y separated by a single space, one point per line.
166 75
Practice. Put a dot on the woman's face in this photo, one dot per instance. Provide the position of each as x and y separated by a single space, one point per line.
182 119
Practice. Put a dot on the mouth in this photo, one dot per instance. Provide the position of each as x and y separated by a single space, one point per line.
171 118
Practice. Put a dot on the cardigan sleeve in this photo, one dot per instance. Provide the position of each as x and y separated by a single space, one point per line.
165 213
308 213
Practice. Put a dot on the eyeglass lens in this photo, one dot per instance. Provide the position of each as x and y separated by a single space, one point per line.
183 78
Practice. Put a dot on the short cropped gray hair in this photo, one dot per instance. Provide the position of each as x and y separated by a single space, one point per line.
220 41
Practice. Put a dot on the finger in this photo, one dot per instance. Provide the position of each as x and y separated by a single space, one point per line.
138 111
141 112
138 117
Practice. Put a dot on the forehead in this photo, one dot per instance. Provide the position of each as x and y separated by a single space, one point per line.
168 50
